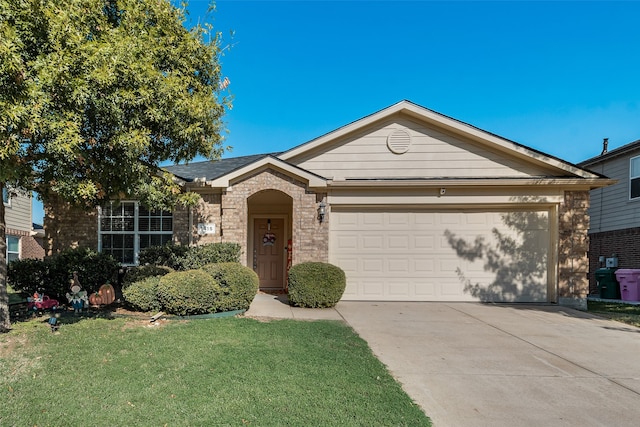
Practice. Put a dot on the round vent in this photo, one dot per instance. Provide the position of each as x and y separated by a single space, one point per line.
399 141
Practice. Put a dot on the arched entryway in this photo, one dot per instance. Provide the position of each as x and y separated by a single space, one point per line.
269 235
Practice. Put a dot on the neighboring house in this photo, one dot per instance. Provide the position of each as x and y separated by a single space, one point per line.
24 239
615 210
411 204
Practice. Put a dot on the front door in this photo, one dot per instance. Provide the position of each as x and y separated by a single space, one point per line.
268 251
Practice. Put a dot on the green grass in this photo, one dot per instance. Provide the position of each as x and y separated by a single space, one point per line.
625 313
217 372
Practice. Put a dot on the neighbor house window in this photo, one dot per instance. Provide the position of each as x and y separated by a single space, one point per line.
5 196
634 178
125 228
13 248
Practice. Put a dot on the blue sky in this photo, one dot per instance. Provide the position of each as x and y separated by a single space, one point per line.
555 76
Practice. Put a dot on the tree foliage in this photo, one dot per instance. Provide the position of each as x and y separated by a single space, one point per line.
97 93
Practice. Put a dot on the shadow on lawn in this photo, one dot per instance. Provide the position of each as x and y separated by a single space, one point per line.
67 316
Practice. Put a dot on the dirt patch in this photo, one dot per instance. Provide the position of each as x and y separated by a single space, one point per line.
8 343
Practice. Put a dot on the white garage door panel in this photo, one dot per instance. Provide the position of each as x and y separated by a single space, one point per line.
441 256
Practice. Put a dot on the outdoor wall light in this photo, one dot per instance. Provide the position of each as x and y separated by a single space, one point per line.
322 210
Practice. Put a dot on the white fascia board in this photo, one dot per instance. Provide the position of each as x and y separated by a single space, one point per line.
577 183
314 181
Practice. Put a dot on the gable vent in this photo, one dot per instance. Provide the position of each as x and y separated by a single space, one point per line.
399 141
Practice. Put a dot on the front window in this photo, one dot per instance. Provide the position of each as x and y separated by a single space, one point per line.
125 228
634 178
13 248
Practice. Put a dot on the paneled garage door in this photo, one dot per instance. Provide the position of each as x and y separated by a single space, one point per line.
457 255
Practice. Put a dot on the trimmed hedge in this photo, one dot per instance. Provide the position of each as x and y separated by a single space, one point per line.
316 284
188 292
166 255
239 285
182 258
135 274
143 294
212 253
51 276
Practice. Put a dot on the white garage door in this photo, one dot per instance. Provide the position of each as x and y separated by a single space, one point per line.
441 256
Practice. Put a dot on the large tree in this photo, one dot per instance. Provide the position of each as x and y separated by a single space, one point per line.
96 94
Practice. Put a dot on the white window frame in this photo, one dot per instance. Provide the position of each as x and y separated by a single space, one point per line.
165 235
8 252
633 177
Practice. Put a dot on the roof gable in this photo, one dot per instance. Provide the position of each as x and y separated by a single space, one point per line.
511 155
267 162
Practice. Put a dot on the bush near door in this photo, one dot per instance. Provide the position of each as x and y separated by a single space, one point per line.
316 284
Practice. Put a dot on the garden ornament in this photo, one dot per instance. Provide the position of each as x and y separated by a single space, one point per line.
77 297
53 321
41 302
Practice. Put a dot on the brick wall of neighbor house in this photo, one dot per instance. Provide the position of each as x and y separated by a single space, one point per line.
310 238
67 226
625 244
32 247
573 245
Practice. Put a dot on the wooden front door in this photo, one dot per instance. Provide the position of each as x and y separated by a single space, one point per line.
268 251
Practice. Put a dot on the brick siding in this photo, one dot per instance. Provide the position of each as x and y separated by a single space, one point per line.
625 244
67 226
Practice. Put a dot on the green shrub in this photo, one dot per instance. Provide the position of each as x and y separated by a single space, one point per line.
212 253
239 285
142 294
166 255
188 292
135 274
52 275
28 275
316 284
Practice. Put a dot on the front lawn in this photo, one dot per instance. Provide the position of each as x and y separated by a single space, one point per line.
229 371
625 313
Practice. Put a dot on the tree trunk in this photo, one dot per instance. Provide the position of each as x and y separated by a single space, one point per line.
5 324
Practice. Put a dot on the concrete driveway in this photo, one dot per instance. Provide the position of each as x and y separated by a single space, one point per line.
472 364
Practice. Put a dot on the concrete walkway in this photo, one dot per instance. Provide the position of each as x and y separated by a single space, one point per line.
472 364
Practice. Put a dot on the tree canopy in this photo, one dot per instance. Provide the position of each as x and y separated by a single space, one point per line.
96 94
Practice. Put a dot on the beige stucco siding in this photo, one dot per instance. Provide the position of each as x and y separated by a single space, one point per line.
611 208
431 153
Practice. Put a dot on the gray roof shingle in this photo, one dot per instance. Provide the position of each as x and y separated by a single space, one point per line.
212 169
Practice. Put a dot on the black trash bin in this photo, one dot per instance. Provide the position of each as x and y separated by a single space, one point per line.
608 283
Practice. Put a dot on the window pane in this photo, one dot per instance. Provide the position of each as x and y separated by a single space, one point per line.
12 257
635 188
105 224
167 224
155 224
143 211
156 240
5 195
13 244
129 209
117 241
128 224
166 238
635 167
127 256
143 224
128 241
